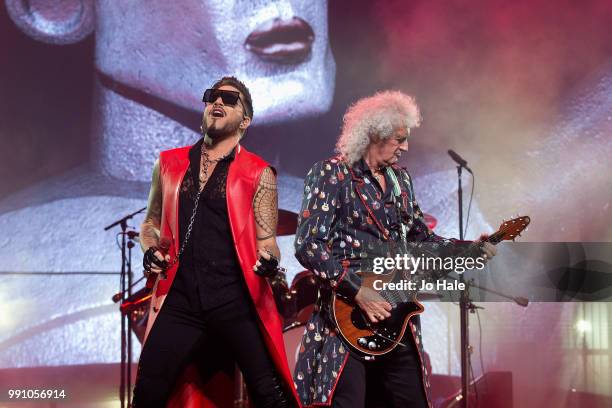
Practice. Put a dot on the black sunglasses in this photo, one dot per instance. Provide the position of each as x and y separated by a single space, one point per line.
228 97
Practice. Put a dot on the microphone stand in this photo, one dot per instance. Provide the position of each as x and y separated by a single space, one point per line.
119 295
126 317
461 396
464 306
465 303
125 289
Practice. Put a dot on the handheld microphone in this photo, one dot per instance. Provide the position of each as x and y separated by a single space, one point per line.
459 160
117 297
164 245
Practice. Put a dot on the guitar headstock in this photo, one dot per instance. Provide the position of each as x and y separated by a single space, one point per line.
511 229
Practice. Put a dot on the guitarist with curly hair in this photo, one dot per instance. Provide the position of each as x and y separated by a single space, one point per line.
359 205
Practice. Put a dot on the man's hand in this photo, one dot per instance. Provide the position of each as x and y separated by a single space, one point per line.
267 264
263 253
154 262
265 209
488 250
375 307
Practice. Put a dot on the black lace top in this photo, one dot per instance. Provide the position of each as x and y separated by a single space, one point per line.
209 270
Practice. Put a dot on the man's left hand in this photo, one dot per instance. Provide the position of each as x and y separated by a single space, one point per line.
266 265
488 250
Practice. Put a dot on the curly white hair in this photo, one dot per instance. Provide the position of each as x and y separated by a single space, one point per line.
373 118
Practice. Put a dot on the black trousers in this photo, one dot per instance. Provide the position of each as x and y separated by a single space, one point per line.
393 380
179 336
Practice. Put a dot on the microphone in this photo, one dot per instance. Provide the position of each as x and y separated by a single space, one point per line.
459 160
117 297
164 245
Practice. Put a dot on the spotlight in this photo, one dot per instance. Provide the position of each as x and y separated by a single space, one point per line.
583 326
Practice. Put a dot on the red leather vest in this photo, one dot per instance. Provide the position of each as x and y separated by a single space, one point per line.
242 179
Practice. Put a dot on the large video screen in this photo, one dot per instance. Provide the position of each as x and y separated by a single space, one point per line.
91 93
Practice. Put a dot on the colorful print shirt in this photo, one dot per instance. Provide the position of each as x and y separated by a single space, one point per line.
346 220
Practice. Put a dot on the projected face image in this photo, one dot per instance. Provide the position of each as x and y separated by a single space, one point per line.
279 49
170 51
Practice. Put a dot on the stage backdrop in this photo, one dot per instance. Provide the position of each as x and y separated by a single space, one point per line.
92 91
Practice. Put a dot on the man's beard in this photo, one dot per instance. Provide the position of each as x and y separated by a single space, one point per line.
216 134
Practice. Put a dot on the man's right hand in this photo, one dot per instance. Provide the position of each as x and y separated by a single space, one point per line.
154 261
376 308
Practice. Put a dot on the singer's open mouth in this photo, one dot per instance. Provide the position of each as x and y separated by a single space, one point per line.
282 41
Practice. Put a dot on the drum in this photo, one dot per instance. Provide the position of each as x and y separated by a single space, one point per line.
136 307
292 337
282 296
430 220
304 294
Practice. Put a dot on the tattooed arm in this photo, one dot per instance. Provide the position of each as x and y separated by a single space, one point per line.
149 230
265 206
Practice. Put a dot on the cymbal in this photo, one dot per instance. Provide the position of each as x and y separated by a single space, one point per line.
287 223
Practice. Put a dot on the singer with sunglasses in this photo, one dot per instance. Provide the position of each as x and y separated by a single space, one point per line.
209 243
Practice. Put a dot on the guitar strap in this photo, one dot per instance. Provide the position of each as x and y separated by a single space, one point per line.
399 196
397 192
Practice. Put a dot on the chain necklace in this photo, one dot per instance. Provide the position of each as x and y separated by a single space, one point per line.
203 178
378 177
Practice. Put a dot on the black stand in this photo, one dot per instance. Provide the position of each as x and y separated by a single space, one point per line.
127 243
464 306
467 306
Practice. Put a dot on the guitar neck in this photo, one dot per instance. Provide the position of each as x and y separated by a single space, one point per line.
495 238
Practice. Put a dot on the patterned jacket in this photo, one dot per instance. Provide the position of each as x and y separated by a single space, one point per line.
345 221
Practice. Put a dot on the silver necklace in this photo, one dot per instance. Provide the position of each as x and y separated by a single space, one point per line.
203 178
